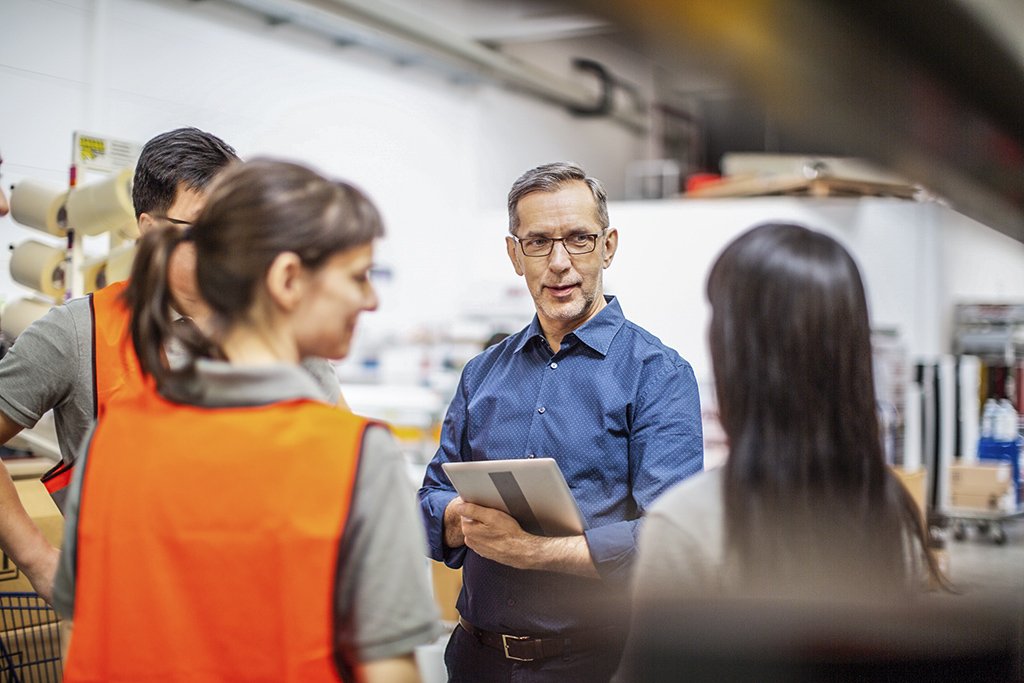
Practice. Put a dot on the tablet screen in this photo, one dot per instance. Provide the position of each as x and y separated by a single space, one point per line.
533 491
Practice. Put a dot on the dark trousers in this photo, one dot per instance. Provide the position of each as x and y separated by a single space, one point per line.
469 661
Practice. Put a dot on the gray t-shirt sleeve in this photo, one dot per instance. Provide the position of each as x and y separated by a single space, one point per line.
41 368
326 378
50 367
385 607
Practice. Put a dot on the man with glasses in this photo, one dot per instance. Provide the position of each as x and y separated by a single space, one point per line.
74 358
617 410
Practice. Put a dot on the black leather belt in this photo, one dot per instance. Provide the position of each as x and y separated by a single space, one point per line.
528 648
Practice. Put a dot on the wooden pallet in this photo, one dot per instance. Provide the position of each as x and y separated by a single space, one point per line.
798 186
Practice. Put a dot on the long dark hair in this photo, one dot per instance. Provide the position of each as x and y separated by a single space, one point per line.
808 497
255 211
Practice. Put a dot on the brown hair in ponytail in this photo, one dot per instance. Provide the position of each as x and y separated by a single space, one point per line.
255 211
150 301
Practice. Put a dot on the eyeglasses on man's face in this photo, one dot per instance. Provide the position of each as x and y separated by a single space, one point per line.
176 222
578 243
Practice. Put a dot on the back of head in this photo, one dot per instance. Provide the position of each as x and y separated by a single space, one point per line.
550 178
184 156
789 332
255 211
807 493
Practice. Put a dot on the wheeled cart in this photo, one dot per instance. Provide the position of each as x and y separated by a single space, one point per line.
30 649
988 522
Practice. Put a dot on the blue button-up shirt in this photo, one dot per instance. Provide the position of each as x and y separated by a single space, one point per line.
620 413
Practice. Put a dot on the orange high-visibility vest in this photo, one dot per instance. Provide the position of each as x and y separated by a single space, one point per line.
207 544
115 367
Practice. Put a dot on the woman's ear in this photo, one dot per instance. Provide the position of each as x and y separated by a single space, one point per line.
286 280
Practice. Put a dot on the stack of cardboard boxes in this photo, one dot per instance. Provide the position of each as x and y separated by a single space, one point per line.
986 486
447 586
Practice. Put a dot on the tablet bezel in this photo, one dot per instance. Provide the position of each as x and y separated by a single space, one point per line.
540 482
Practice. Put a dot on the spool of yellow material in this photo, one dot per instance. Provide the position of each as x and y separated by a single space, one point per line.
40 205
119 263
128 231
94 275
99 207
40 267
20 313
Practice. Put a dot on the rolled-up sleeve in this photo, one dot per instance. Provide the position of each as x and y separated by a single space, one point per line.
384 607
437 490
666 445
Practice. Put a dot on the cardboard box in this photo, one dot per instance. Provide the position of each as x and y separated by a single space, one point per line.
47 517
915 482
447 585
35 653
967 501
988 479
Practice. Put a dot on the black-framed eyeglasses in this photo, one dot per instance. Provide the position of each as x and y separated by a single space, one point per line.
579 243
177 222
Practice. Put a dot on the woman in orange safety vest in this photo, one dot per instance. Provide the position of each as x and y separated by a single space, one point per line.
225 523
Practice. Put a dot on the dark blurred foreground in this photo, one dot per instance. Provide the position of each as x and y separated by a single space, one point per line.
941 639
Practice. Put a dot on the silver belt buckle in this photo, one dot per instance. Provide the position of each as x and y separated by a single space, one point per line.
504 642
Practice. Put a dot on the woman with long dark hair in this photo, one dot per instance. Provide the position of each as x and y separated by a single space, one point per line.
226 524
805 506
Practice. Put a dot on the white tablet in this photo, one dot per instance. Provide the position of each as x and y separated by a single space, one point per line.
533 491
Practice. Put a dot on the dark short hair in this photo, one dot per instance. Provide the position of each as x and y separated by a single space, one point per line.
186 156
549 178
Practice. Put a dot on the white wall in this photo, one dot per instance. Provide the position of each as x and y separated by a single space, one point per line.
439 157
978 265
666 249
431 152
917 261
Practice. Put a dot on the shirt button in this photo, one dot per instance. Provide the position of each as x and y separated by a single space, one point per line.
554 365
541 410
510 602
531 455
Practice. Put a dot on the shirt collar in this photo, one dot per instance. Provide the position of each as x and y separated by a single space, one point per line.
597 333
227 385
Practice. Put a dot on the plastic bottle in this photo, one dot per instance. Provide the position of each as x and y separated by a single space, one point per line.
988 419
1006 422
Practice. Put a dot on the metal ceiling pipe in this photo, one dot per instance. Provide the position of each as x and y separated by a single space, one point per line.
386 28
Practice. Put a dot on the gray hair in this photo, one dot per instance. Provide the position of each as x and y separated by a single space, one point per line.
549 178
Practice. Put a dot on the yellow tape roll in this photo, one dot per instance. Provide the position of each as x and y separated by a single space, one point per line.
99 207
40 205
94 275
19 314
40 267
119 263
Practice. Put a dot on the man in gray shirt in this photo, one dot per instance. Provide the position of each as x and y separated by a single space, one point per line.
51 365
